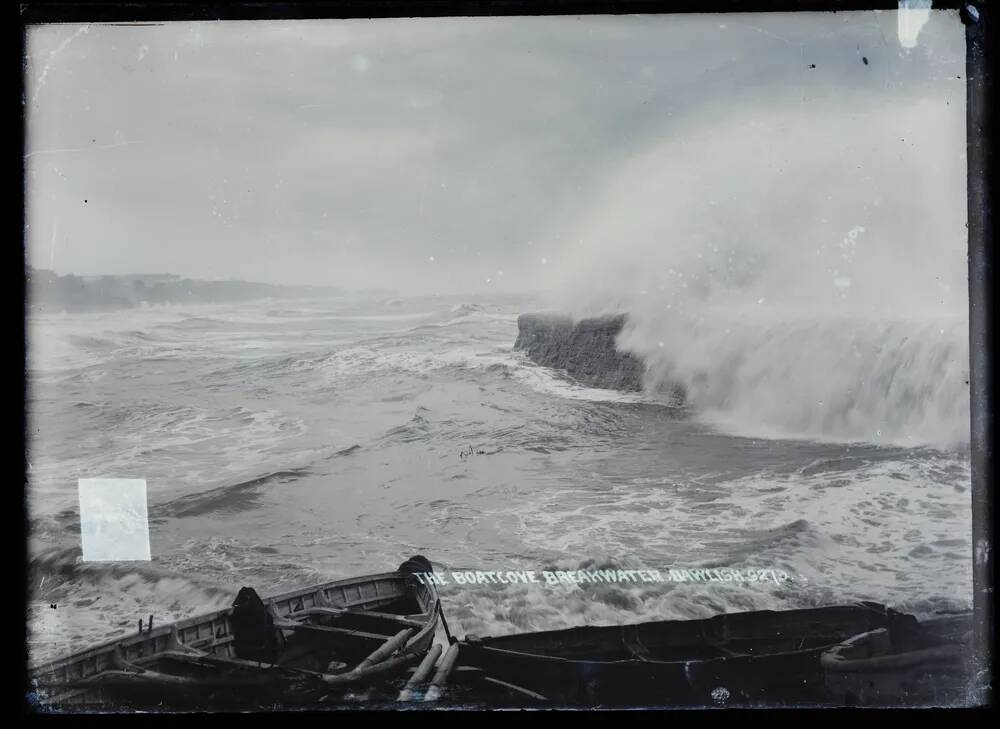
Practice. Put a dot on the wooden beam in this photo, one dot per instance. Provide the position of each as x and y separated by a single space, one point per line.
340 612
516 689
359 675
327 630
387 649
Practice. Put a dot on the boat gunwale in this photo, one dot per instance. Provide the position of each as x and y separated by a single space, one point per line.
637 661
484 644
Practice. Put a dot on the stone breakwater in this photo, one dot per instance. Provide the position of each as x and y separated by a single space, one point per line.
584 349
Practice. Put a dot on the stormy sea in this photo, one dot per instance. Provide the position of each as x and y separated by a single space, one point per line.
289 442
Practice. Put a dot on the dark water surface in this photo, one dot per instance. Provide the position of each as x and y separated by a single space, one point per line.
291 442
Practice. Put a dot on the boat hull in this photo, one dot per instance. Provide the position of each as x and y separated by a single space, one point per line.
754 658
933 667
195 663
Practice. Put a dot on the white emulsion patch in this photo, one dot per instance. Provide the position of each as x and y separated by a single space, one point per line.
114 526
913 16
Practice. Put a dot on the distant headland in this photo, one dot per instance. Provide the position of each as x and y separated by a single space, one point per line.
47 291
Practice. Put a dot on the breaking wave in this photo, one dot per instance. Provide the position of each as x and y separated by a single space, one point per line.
75 603
898 383
822 294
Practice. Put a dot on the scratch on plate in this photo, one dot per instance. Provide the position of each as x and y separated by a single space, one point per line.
52 256
80 149
52 54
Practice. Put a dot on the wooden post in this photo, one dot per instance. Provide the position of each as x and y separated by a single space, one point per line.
443 672
421 674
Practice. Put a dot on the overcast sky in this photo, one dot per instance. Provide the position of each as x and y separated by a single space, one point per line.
434 155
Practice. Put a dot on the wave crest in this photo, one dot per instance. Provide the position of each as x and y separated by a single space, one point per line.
901 383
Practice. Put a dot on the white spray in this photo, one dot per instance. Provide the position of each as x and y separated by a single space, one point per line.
800 269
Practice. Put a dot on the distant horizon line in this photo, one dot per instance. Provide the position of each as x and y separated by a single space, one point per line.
388 290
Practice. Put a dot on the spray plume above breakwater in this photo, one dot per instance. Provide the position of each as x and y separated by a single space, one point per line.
792 268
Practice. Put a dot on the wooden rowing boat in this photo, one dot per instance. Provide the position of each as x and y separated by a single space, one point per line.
302 647
749 658
932 666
